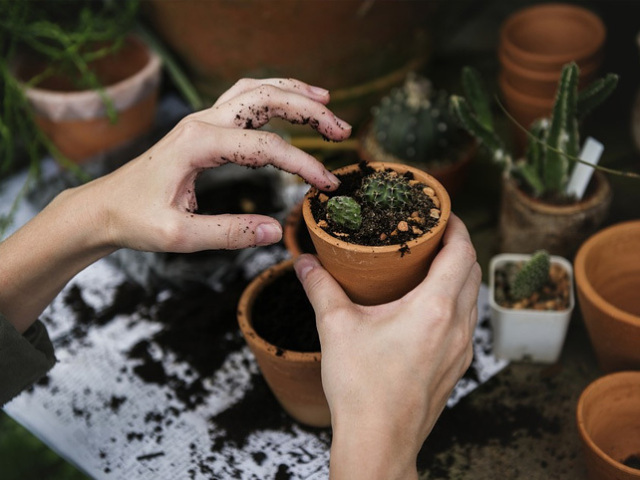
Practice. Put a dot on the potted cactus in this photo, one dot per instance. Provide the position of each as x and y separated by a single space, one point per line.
412 124
536 210
531 300
378 232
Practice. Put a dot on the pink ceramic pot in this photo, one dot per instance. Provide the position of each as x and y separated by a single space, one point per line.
608 417
607 273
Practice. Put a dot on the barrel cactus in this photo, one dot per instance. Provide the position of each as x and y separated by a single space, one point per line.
384 189
413 122
345 212
553 142
533 274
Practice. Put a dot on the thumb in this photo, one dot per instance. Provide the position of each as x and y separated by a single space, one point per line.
323 290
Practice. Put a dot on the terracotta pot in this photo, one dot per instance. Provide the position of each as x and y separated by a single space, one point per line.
374 275
545 37
607 269
293 377
357 49
295 235
76 121
527 224
608 418
452 176
527 334
542 84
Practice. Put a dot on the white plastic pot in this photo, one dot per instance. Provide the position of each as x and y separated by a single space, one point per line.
531 335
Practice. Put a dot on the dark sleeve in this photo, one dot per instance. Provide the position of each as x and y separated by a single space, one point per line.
24 359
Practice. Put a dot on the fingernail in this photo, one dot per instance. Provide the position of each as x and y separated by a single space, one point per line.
303 265
319 90
268 233
335 181
342 124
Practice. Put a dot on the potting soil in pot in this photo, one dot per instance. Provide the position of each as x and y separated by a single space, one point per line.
283 316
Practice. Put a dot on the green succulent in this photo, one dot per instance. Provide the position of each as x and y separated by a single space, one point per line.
383 189
553 142
533 274
344 211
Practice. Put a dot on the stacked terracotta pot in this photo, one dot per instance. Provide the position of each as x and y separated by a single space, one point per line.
535 43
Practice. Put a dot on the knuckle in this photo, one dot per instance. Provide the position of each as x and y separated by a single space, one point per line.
171 235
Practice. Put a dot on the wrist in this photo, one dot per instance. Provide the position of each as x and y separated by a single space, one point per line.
371 450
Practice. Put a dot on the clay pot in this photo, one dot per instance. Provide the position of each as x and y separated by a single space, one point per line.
608 417
527 224
545 37
527 334
452 176
293 377
358 50
607 269
76 120
295 235
374 275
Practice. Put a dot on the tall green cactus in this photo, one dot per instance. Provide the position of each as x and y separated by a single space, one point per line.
553 142
533 274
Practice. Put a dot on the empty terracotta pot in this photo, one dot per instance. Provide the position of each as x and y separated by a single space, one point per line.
295 235
293 377
608 417
545 37
372 275
524 108
76 120
607 272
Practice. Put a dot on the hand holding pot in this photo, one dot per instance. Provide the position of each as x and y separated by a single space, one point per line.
389 369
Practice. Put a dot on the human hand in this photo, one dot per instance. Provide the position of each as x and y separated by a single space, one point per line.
388 370
149 203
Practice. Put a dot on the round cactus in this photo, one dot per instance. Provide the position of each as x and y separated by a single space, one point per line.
413 122
385 190
345 212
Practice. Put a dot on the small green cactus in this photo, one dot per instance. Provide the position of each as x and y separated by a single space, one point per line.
383 189
345 212
553 142
531 276
413 122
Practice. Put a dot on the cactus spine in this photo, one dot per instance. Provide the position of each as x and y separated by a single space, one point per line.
383 189
532 275
345 212
552 142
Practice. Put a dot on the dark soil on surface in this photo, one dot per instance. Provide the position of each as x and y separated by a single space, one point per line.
379 226
632 461
283 316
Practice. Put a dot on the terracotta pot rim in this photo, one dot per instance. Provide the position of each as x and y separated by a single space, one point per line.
529 100
582 280
441 193
602 191
500 258
151 68
631 377
550 76
245 304
590 20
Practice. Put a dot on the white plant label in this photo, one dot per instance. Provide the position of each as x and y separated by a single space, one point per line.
581 175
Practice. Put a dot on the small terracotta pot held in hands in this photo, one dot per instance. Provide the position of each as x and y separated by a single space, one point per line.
293 377
374 275
607 272
608 417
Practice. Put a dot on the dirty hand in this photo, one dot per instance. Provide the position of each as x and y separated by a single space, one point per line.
154 194
388 370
